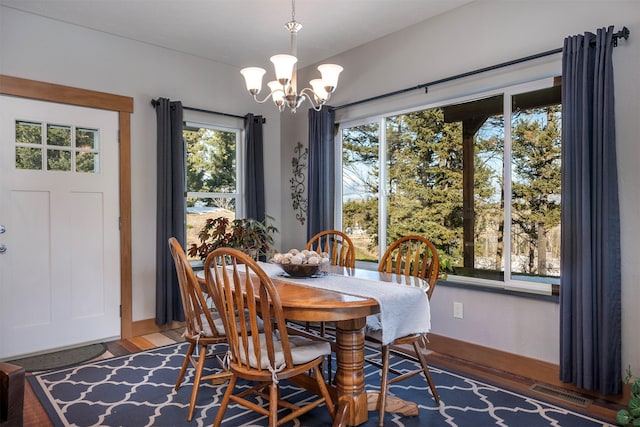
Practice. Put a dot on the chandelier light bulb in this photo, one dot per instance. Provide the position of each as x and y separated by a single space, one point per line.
330 74
277 92
283 65
253 78
319 91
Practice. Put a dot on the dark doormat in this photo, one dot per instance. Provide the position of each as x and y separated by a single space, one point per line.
60 359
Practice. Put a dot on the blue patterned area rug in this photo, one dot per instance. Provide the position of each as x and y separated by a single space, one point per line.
137 390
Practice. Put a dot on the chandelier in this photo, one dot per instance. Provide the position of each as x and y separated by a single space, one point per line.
284 91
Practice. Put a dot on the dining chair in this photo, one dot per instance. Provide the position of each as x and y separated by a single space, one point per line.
341 252
416 256
204 327
242 293
337 244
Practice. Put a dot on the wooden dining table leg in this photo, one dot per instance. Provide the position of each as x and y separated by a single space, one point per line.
350 372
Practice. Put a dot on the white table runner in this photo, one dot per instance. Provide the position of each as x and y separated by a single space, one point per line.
404 310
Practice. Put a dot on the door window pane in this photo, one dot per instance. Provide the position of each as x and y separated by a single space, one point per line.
28 158
28 133
86 162
58 160
59 135
87 138
88 159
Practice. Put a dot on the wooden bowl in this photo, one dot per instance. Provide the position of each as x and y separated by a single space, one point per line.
300 270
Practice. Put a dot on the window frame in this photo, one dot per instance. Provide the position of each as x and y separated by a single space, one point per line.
507 91
239 192
234 126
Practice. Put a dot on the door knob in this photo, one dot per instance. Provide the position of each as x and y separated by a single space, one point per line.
2 229
3 248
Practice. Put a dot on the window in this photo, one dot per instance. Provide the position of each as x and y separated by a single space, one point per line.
213 176
479 177
360 182
57 147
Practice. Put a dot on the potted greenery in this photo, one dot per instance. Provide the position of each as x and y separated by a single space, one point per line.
246 234
631 415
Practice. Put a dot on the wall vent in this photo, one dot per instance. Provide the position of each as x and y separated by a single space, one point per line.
561 394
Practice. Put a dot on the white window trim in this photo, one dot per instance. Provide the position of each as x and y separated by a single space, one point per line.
509 282
507 91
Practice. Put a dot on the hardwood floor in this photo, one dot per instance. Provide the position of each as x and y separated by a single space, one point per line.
35 415
598 408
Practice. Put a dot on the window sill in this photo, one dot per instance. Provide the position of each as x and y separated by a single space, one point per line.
197 265
499 290
474 284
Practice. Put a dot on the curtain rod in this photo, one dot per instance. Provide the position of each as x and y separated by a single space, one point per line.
624 33
200 110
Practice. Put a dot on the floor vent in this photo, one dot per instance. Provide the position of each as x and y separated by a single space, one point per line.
564 395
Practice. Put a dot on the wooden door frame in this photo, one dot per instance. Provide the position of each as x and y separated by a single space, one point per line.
123 105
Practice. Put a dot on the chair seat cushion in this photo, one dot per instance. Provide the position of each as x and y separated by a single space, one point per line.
219 325
303 350
206 327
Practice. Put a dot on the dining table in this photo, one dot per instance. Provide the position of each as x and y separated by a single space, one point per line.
320 299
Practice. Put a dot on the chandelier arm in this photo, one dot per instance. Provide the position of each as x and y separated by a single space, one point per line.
313 98
255 97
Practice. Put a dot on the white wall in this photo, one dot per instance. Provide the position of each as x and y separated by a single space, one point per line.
41 49
478 35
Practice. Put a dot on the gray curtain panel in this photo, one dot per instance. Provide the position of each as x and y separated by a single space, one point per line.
590 313
254 176
321 188
170 208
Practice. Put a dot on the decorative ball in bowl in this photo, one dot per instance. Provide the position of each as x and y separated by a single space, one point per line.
303 263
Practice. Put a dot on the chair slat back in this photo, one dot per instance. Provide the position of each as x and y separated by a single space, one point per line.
412 256
196 306
243 292
337 244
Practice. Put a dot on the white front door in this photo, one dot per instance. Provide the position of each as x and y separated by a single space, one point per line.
59 233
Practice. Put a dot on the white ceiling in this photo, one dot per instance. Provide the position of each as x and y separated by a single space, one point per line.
242 32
